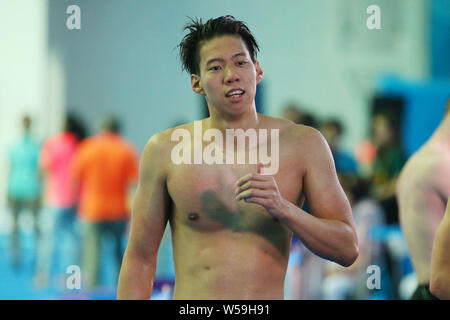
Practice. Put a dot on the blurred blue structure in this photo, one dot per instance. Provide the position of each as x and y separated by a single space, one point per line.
423 110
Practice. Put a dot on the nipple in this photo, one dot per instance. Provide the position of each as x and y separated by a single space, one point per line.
193 216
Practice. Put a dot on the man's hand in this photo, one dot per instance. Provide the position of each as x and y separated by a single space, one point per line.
262 190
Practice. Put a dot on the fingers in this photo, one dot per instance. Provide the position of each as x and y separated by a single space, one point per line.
251 176
252 184
258 200
254 187
250 193
260 189
249 188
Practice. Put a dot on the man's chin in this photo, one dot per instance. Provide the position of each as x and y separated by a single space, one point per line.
236 109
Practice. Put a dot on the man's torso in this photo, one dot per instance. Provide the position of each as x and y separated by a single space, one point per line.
423 189
224 248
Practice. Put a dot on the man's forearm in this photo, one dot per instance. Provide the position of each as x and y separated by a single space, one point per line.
330 239
136 278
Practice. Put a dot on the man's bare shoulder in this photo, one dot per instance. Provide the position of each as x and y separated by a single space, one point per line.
158 142
158 147
302 137
275 123
163 140
289 131
161 144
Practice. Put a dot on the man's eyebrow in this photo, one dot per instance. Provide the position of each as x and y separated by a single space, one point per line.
222 60
239 55
214 60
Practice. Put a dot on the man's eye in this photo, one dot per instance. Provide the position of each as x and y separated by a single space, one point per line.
215 68
241 63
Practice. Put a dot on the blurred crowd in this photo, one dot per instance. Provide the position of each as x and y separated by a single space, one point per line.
368 176
78 189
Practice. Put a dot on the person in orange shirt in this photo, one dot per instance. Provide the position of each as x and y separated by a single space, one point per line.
105 168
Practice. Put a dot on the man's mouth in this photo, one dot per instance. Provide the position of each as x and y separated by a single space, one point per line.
235 93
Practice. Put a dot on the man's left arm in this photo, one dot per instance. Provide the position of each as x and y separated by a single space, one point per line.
132 176
440 261
329 231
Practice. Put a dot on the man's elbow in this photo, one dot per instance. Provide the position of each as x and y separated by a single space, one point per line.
351 250
350 256
440 287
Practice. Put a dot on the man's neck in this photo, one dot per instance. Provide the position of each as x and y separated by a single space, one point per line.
245 121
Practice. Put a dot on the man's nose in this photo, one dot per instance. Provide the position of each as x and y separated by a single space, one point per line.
231 75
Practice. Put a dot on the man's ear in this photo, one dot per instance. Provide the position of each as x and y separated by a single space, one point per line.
196 85
259 72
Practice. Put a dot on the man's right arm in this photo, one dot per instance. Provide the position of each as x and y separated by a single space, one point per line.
148 222
440 261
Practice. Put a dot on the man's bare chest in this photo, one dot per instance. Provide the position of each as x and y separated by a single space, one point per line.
204 196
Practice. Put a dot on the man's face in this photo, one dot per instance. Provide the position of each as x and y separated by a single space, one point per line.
228 76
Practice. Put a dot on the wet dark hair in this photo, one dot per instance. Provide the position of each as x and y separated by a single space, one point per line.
75 126
26 122
111 124
336 124
309 120
200 32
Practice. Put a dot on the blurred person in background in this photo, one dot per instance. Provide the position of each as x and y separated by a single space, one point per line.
309 270
350 283
61 202
24 186
292 284
389 160
105 168
369 217
310 120
332 130
422 192
295 114
292 112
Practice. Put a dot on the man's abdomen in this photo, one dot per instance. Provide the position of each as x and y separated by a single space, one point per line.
229 265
